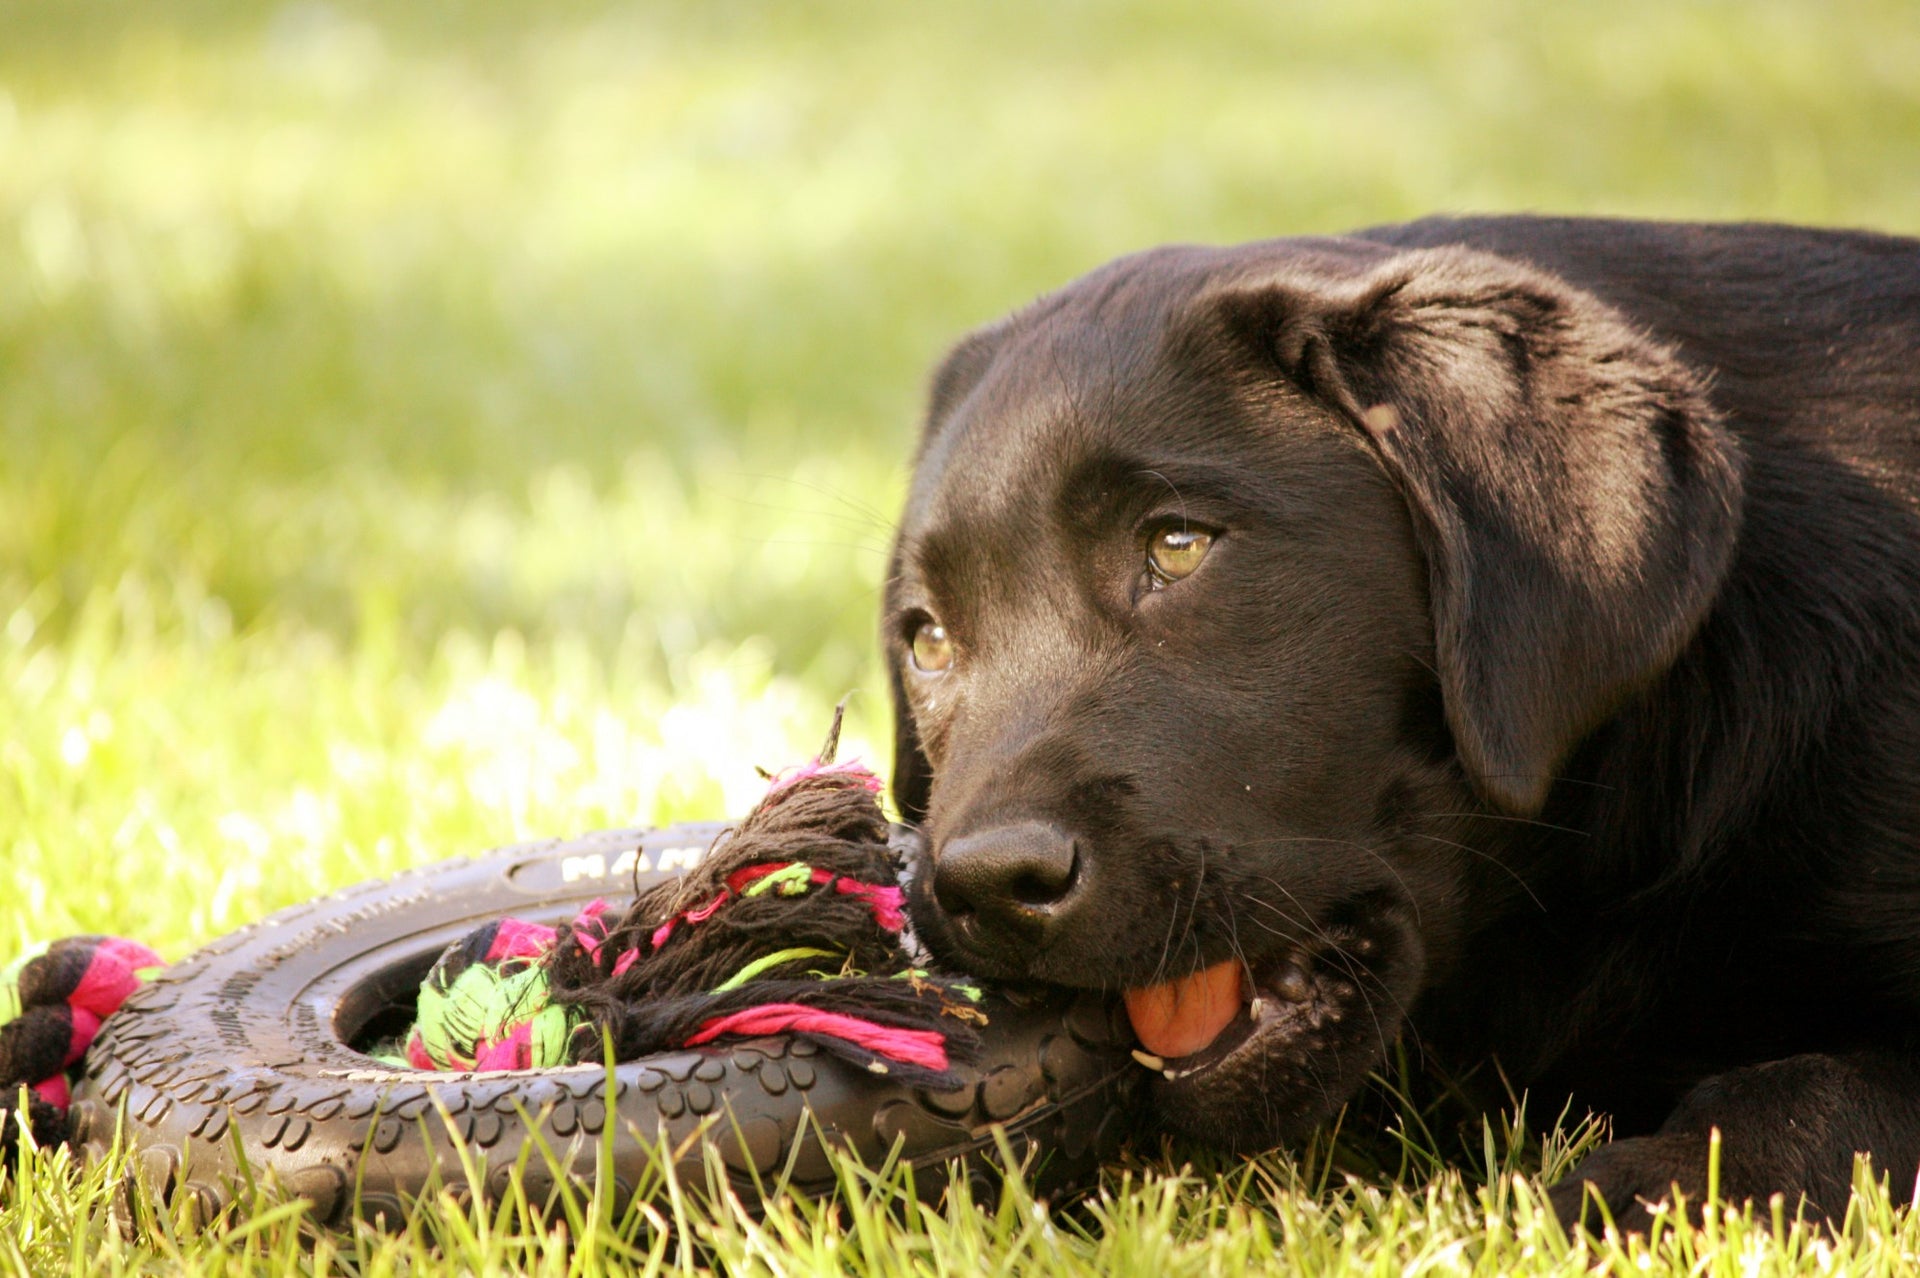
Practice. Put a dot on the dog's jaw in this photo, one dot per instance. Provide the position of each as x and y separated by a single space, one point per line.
1316 1021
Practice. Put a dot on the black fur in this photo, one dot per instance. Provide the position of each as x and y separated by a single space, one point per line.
1551 690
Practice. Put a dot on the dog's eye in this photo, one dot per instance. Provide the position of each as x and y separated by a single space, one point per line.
932 650
1174 552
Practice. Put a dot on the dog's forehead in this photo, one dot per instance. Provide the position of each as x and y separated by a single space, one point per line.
1005 451
1103 366
1085 380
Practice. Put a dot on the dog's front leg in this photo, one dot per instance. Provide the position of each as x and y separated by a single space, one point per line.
1789 1127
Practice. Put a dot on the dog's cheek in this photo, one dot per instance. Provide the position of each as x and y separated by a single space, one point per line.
1290 697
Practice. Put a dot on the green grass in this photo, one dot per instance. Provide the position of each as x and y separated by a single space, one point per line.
1270 1214
426 426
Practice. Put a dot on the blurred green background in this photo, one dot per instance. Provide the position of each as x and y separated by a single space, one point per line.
425 426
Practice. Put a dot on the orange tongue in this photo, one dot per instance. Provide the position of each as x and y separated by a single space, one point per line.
1184 1016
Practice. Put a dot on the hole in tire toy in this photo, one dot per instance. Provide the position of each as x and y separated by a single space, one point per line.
262 1039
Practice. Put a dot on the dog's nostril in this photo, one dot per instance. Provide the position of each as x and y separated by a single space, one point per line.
1045 886
1009 874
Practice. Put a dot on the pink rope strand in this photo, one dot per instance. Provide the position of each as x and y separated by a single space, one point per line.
926 1048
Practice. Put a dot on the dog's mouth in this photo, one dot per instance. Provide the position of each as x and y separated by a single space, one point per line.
1193 1024
1193 1018
1253 1054
1250 1052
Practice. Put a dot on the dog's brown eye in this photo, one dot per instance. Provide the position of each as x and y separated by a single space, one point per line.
1176 552
932 650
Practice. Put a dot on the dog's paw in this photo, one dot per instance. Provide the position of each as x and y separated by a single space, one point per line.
1631 1177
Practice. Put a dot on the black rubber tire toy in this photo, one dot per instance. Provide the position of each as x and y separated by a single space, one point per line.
255 1039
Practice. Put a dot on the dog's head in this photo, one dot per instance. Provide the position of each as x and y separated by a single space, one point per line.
1231 585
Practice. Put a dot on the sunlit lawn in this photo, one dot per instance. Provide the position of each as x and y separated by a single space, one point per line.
427 426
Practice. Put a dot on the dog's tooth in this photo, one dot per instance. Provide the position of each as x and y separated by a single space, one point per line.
1151 1061
1255 1008
1170 1076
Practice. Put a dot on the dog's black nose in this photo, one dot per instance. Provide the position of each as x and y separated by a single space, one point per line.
1014 879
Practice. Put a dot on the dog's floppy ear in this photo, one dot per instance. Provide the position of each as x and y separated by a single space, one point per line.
1574 492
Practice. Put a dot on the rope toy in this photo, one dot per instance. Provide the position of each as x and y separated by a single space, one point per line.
792 924
52 1001
488 1004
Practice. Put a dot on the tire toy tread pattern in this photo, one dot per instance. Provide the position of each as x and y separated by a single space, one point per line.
246 1043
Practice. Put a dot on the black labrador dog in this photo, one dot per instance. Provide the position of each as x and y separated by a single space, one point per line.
1503 633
